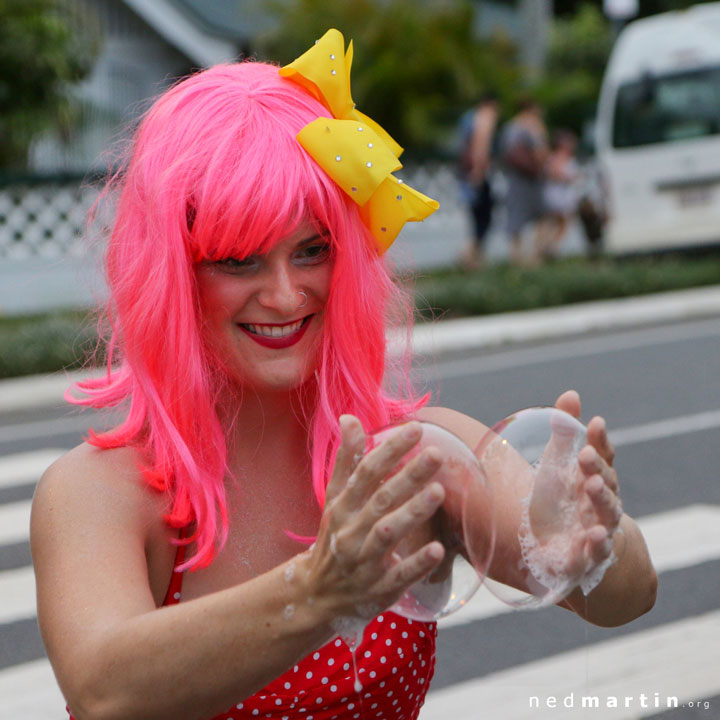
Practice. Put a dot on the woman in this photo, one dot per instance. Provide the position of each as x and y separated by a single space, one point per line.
248 309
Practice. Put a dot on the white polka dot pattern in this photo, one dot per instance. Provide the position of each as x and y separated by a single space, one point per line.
395 663
321 686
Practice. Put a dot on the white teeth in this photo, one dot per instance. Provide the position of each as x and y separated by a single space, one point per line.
274 330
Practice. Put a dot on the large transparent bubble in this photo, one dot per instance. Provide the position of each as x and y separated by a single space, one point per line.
467 493
530 459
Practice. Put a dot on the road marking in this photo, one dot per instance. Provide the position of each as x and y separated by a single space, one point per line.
672 427
677 538
30 691
679 659
503 360
26 467
17 590
14 522
46 428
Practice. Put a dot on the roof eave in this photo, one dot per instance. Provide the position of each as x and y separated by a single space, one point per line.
202 48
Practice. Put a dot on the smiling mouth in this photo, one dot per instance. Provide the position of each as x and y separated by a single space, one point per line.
275 331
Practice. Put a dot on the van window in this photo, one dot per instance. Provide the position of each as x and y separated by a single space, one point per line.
666 108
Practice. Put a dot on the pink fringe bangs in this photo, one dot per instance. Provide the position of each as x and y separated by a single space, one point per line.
216 172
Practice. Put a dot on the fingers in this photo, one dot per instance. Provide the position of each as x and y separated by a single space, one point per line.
599 545
368 476
402 486
591 463
373 502
569 401
396 507
606 504
563 433
348 455
391 528
597 437
415 567
563 436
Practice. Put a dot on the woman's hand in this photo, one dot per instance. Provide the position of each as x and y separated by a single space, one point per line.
600 506
628 588
368 510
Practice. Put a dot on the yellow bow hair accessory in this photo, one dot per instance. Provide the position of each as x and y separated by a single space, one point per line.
356 152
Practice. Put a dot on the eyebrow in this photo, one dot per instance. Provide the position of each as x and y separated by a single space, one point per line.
310 239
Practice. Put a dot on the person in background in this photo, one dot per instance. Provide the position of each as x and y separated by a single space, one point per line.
560 194
524 152
477 132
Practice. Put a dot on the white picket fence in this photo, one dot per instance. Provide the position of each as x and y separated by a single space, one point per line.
46 261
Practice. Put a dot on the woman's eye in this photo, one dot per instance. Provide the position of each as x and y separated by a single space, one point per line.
316 252
235 264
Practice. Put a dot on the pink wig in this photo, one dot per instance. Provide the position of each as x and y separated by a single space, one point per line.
216 171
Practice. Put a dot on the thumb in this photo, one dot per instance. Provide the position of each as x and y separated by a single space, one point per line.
352 444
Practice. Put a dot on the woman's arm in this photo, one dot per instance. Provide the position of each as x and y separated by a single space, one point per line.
629 586
116 655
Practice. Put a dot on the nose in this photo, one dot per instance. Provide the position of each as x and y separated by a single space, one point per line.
279 290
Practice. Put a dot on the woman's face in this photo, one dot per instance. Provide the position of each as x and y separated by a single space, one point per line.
256 320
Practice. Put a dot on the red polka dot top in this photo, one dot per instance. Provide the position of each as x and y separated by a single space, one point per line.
395 663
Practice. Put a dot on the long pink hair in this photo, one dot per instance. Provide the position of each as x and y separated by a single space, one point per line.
216 171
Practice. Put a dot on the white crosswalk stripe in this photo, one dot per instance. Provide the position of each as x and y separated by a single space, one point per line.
27 467
14 522
29 691
678 538
646 661
17 590
619 668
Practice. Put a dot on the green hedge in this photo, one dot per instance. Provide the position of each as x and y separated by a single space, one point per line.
505 288
46 343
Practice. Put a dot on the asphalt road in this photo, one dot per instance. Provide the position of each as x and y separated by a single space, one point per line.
635 380
659 390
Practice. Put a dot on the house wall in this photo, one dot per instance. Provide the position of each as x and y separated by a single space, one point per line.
134 65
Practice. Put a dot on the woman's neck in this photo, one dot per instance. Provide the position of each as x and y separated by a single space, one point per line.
263 424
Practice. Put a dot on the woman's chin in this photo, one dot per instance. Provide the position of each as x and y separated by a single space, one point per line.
273 378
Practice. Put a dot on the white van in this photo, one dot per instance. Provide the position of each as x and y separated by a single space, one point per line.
658 132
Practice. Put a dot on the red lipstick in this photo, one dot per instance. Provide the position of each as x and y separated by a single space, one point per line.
278 343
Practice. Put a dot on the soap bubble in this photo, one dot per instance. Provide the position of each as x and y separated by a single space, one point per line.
530 459
454 582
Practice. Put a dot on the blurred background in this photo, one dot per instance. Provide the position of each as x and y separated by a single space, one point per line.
612 194
76 74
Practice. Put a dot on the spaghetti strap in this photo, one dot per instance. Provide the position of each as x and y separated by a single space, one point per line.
174 591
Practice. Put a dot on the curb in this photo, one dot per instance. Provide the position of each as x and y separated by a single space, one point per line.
451 336
564 321
35 391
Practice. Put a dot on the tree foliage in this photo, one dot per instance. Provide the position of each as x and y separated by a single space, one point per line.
579 49
646 7
417 63
45 46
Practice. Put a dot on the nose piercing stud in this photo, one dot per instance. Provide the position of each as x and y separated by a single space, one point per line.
300 292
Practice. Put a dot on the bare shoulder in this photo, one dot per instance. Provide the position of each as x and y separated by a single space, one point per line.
97 531
88 480
96 501
469 430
